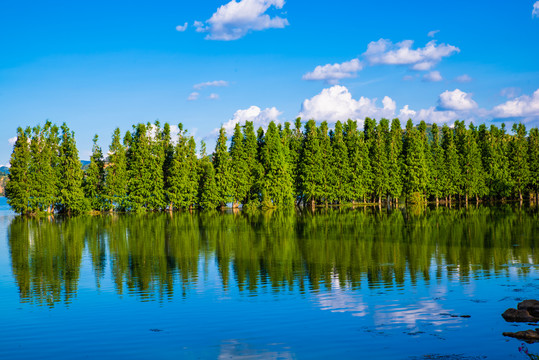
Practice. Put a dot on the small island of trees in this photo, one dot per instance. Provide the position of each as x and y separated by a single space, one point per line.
282 166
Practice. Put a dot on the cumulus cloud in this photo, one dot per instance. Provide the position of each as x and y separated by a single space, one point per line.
181 28
332 73
456 100
258 116
465 78
523 106
385 52
336 103
216 83
433 115
213 96
193 96
433 33
433 76
235 19
12 140
535 11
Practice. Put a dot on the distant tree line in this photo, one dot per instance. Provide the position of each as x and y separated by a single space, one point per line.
281 167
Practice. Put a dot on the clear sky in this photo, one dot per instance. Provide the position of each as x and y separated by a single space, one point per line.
97 65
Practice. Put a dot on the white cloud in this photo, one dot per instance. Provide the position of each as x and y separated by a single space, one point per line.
433 33
510 92
235 19
535 11
213 96
385 52
258 116
465 78
182 28
332 73
456 100
193 96
432 115
523 106
216 83
336 103
12 140
433 76
407 113
407 78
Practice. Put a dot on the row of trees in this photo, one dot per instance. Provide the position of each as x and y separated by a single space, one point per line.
148 170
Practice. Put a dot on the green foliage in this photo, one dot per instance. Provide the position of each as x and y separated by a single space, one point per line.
277 181
222 166
359 161
17 188
115 191
518 153
94 178
71 197
533 160
415 163
281 167
208 193
239 166
311 167
341 184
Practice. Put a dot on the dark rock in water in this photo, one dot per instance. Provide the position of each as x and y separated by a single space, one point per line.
532 306
530 336
515 315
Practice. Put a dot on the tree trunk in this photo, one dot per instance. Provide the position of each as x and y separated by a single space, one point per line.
520 195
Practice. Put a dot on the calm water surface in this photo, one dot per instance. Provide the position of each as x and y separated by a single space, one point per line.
363 283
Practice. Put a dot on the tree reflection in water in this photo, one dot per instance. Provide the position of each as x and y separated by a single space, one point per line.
154 256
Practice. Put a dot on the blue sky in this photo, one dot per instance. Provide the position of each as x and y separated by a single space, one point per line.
100 65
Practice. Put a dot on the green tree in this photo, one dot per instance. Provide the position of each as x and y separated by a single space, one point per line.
277 181
518 153
437 165
239 167
311 168
452 172
416 176
328 172
94 178
379 160
17 188
250 149
221 164
43 170
157 157
116 174
359 161
191 183
71 199
139 173
394 160
341 186
208 192
533 161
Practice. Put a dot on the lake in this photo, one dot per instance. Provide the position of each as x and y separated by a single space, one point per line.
364 283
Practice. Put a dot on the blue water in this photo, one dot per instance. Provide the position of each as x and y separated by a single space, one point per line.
237 287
